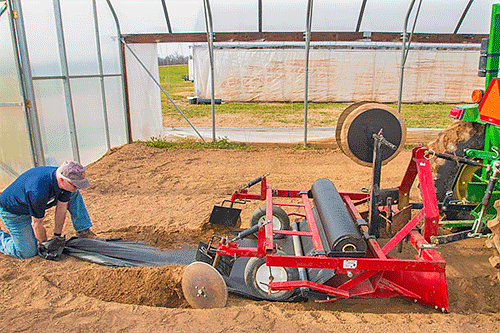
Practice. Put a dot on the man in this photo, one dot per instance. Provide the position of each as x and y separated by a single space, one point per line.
23 204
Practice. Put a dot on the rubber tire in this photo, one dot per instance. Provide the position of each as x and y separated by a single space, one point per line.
278 213
251 270
468 136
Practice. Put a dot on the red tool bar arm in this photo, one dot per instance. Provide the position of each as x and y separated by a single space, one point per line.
410 174
262 196
269 247
313 227
428 191
356 265
358 279
402 233
293 233
372 244
416 239
355 195
289 285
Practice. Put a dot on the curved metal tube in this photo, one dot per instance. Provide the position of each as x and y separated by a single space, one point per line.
210 40
404 48
307 46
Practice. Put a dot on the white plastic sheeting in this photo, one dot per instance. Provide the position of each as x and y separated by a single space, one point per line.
436 16
15 146
144 94
337 75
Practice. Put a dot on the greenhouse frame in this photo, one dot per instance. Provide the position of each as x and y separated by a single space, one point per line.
78 78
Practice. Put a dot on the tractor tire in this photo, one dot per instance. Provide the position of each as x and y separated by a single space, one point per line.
454 140
281 221
257 279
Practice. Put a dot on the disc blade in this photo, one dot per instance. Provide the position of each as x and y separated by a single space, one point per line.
203 286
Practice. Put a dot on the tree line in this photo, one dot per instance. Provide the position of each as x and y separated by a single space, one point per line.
173 59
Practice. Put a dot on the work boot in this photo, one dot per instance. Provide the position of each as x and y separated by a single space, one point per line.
87 233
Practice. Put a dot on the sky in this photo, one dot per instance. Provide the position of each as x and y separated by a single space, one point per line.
174 48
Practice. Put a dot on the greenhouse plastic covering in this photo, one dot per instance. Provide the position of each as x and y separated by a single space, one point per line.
342 75
436 16
70 89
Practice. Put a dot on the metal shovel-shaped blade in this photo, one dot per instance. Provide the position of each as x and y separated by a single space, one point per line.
225 216
203 286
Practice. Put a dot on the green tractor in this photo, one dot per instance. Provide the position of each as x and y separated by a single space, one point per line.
466 175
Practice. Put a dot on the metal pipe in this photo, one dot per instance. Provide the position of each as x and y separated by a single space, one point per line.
126 106
101 77
306 83
343 45
466 10
412 31
8 170
82 76
210 40
403 54
297 249
66 82
23 64
260 15
360 17
161 88
167 18
4 8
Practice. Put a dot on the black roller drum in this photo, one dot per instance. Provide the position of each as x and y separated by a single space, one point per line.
342 235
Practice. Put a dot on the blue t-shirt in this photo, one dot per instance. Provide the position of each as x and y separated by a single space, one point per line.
33 192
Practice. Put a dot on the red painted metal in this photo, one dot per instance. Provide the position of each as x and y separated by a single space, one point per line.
311 222
378 275
269 221
457 113
308 284
343 265
402 233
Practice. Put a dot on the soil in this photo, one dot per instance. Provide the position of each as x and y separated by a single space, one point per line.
164 197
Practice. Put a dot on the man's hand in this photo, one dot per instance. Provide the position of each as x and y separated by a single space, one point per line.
55 243
52 249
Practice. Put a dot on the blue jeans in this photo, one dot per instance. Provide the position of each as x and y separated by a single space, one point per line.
20 242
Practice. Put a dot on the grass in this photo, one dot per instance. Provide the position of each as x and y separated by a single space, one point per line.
193 144
279 114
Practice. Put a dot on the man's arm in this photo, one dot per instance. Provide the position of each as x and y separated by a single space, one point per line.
38 229
60 216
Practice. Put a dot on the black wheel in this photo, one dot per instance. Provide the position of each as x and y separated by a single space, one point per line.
281 221
358 123
257 279
341 119
454 140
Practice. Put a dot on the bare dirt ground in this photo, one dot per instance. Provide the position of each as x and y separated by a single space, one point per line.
164 197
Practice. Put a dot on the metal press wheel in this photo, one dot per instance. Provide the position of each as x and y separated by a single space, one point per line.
358 123
281 221
257 279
